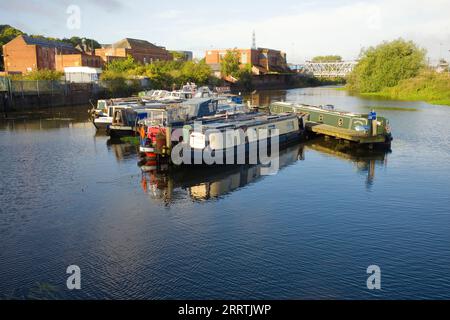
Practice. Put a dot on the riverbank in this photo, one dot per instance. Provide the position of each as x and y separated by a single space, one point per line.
429 86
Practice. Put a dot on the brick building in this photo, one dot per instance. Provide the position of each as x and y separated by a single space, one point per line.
141 50
263 61
24 54
63 61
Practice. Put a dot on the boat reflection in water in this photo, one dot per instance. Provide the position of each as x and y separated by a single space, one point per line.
205 183
122 150
209 183
364 159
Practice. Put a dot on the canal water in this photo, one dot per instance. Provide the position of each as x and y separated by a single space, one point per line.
71 197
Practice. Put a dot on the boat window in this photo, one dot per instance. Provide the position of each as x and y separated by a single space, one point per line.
290 125
101 105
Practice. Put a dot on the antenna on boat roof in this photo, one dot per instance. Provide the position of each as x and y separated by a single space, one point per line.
254 40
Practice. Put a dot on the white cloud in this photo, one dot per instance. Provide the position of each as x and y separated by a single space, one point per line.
301 28
169 14
343 29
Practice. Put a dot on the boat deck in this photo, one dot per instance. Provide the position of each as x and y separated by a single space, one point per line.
346 134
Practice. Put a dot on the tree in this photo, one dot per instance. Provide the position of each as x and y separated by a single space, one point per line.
90 44
329 58
121 65
386 65
244 76
230 64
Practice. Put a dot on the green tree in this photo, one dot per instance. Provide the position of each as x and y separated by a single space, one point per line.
198 72
244 76
230 64
177 56
386 65
329 58
90 44
162 74
121 65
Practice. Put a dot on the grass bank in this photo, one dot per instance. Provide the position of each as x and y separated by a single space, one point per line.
428 86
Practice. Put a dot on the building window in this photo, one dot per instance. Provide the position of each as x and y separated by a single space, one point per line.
244 58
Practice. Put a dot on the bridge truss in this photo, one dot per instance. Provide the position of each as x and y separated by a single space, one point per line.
329 69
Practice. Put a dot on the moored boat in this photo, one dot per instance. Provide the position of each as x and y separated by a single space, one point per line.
325 120
241 137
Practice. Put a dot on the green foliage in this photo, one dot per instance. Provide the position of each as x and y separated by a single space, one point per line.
90 44
428 86
8 33
177 56
230 64
162 74
121 66
386 65
43 74
329 58
244 76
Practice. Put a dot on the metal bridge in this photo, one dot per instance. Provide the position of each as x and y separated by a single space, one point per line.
329 69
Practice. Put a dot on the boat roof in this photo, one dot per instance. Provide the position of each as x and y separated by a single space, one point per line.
196 101
246 120
319 108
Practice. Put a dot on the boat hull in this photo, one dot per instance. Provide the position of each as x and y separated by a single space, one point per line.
235 154
101 125
120 131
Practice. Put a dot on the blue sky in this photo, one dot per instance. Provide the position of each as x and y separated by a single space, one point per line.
301 28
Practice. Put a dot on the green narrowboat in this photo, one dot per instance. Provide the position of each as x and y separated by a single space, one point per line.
359 128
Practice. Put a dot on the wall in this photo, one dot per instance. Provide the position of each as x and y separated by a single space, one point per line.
142 55
19 57
77 60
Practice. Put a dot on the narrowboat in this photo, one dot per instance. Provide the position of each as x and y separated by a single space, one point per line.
164 128
125 119
240 136
325 120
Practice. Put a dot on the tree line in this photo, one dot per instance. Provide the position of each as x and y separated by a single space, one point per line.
398 69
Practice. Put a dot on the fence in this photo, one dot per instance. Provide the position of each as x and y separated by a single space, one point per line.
30 94
4 84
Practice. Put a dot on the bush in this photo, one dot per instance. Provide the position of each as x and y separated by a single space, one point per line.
43 74
162 74
427 86
386 65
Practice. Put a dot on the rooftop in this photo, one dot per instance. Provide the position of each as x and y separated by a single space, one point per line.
47 43
130 43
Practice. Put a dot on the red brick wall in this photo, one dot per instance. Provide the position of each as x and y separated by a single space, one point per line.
78 60
19 57
214 56
140 55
